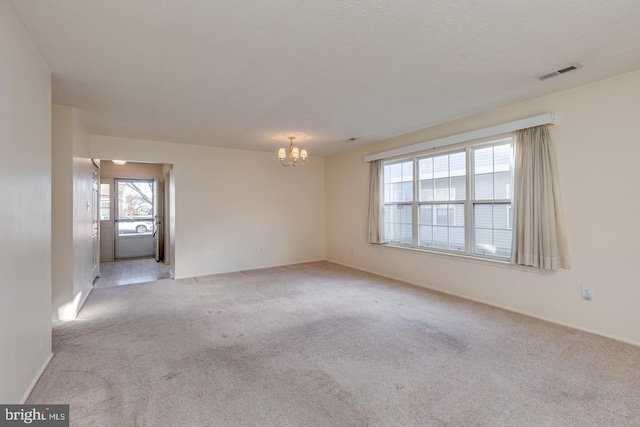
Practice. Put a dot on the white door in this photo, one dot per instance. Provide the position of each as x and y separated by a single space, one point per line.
134 218
167 221
158 225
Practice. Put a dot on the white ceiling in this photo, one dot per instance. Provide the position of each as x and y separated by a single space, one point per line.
239 73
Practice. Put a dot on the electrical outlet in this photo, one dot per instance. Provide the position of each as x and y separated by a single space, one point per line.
352 250
586 293
261 249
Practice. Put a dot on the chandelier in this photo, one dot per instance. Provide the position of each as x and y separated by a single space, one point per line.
296 157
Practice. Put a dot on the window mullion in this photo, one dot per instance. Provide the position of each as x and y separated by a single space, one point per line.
468 204
414 204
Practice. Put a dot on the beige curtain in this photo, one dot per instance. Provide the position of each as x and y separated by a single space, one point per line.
538 232
376 203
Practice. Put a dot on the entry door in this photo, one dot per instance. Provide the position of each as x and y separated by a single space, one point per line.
134 218
158 235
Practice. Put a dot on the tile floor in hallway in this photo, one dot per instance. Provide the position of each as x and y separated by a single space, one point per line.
128 271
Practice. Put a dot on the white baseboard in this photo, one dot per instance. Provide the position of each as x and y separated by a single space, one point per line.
71 309
33 383
422 285
82 301
262 267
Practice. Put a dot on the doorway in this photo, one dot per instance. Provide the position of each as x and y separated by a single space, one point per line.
135 239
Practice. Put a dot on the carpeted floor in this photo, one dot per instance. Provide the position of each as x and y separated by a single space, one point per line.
323 345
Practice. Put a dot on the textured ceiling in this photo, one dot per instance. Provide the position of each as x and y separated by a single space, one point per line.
240 73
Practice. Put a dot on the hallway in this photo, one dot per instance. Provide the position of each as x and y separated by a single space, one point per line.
129 271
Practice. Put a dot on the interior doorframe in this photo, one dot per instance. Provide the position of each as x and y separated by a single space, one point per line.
108 174
107 247
95 220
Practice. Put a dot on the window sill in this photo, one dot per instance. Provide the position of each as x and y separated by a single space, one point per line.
496 262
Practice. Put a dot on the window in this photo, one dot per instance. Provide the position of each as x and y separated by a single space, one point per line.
492 224
398 198
455 202
105 200
442 184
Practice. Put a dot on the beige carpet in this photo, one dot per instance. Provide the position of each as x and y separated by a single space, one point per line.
323 345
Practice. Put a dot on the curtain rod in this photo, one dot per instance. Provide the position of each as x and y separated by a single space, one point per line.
542 119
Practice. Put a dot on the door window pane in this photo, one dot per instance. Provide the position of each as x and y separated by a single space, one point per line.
134 207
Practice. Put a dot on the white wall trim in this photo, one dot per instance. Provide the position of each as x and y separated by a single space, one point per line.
82 300
35 379
421 285
71 310
542 119
256 269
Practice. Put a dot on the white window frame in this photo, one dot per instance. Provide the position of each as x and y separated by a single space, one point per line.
469 202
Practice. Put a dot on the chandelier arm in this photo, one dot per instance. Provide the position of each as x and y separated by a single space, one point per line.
293 161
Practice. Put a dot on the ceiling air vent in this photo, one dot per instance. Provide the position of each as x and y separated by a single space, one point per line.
559 72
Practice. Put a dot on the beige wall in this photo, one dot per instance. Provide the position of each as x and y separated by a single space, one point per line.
25 215
83 214
230 203
131 170
72 214
61 211
596 139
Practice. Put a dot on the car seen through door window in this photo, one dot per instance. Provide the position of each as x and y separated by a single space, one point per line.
132 225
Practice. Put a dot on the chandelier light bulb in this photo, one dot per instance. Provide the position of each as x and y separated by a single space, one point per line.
295 156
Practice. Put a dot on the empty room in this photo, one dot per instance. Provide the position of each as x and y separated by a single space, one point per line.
360 213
